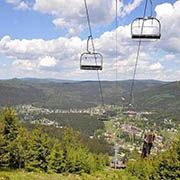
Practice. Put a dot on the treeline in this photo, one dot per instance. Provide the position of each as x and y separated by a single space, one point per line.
95 145
36 151
81 122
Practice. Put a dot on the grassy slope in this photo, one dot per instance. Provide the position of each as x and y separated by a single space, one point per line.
104 175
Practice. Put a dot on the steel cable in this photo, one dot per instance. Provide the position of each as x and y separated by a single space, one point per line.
131 101
116 47
93 47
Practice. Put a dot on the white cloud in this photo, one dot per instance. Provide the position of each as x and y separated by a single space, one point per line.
47 61
71 14
169 15
35 48
60 57
156 67
59 22
101 11
24 65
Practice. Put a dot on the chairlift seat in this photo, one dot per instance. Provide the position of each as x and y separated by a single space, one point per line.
145 36
146 28
91 67
91 61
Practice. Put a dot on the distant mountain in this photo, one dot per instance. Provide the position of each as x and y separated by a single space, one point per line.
38 80
164 100
54 93
162 97
16 91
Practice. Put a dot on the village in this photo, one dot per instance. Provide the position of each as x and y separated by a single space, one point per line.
125 133
27 109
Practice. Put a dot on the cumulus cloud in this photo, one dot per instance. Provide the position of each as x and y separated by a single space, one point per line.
60 57
72 15
53 55
47 61
25 65
169 15
35 48
156 66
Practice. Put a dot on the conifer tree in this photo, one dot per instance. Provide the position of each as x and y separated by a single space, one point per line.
57 162
39 150
2 144
9 132
22 146
9 119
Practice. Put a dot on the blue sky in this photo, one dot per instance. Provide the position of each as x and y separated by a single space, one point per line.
39 38
31 24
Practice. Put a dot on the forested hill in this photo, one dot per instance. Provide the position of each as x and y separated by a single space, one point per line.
66 94
73 94
158 97
164 99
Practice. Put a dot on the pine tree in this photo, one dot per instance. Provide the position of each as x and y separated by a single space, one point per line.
9 119
39 151
9 132
2 145
21 146
77 157
57 161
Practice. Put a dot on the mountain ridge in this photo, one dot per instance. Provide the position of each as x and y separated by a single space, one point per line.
81 94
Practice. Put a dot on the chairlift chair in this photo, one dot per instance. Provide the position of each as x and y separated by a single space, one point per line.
91 60
148 28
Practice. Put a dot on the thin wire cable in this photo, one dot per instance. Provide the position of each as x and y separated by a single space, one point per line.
93 47
151 7
116 47
137 58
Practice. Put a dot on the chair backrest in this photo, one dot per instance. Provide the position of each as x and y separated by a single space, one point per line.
146 28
